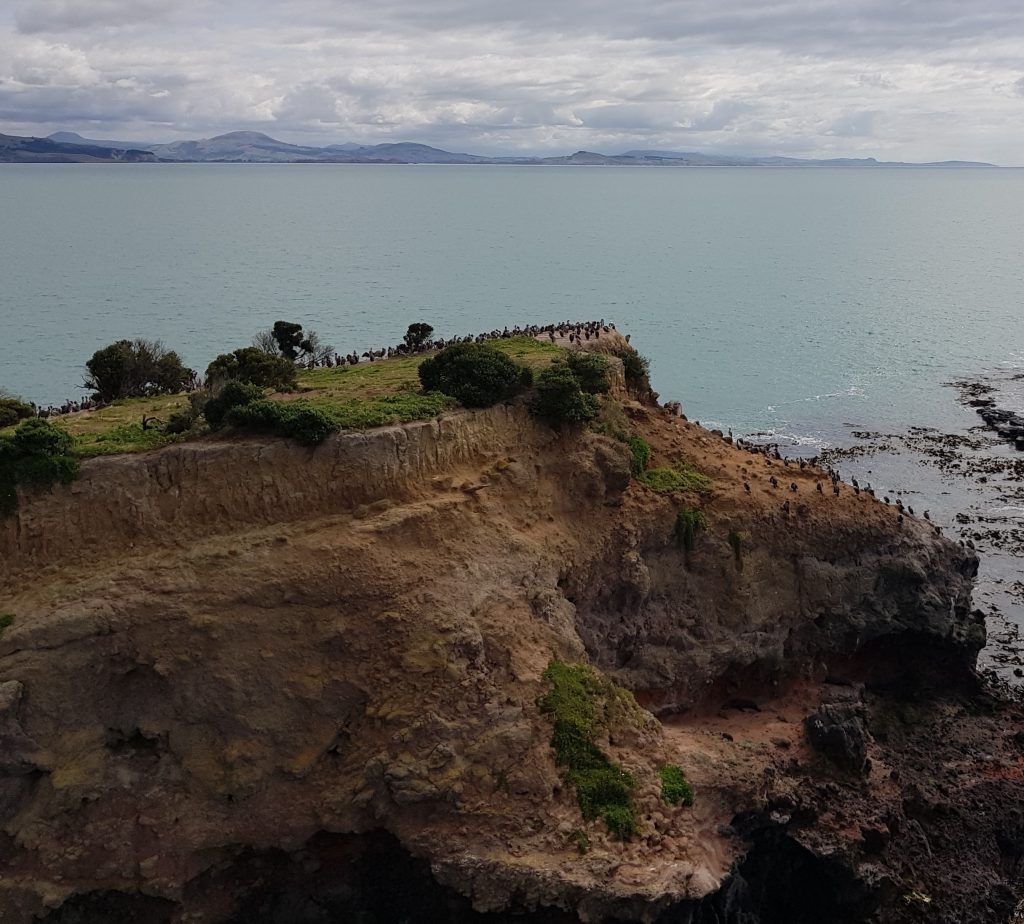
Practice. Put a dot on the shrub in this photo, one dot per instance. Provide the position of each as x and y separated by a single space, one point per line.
251 364
475 374
233 394
417 334
14 409
636 369
641 452
590 369
6 619
559 398
581 840
680 477
300 421
675 788
688 524
736 544
38 453
135 369
603 789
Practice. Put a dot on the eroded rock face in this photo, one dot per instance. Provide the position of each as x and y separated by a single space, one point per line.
232 650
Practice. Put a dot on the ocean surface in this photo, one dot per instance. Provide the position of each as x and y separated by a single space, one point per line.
804 305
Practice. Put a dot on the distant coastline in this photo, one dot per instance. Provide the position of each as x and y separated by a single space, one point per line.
257 148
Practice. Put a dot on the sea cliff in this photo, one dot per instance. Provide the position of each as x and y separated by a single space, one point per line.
251 681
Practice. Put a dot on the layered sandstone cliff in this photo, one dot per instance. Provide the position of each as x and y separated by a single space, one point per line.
240 670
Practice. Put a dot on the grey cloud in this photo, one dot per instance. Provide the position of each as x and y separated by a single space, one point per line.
1018 87
61 16
854 125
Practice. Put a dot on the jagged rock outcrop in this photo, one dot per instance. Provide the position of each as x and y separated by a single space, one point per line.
233 662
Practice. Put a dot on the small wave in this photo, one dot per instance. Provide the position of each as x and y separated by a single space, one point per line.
782 438
1009 510
854 391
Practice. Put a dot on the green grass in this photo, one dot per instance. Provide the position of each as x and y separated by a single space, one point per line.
355 398
579 703
681 477
675 788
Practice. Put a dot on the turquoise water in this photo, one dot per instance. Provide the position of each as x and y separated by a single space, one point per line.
792 299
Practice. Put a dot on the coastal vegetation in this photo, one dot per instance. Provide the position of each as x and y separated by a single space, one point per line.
474 374
640 450
37 453
134 369
688 524
675 788
679 477
253 365
13 409
581 703
6 621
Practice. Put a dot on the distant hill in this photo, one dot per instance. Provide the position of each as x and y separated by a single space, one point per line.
75 138
15 149
258 148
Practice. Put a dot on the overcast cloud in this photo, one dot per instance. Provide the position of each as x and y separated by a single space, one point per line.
895 79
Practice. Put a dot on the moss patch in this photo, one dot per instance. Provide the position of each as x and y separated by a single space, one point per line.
581 702
675 788
681 477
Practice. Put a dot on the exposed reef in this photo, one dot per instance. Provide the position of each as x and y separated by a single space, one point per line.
250 681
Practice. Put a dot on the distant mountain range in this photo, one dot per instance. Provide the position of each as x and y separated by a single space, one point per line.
257 148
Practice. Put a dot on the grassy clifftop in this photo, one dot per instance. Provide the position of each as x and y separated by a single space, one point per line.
355 397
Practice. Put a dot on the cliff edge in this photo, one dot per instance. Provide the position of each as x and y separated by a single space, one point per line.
251 681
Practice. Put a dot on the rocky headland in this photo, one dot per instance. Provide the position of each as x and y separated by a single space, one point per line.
246 680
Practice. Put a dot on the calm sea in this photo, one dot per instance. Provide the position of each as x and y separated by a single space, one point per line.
809 303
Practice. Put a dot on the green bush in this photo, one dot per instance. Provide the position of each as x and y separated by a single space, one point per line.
38 453
134 369
590 369
559 399
641 452
636 369
576 703
14 409
680 477
232 395
6 619
475 374
688 524
675 788
253 365
295 419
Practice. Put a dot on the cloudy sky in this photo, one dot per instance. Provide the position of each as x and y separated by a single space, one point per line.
896 79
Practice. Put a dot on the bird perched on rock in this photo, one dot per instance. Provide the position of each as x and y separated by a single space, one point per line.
926 516
746 487
886 499
817 487
792 486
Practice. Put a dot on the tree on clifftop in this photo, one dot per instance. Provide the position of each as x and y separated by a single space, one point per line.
417 335
287 339
135 369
